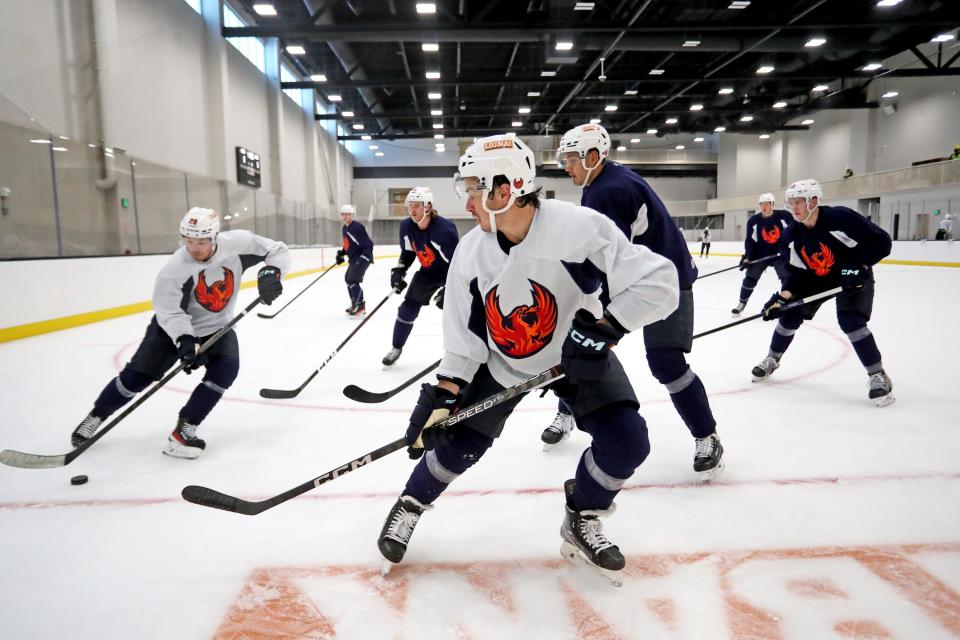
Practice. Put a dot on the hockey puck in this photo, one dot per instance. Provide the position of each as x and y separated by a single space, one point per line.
75 480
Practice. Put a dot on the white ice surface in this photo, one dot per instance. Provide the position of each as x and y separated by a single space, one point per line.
818 483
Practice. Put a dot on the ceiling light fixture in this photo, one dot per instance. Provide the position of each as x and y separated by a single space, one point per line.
888 3
720 129
263 9
595 121
779 105
358 127
634 140
610 107
746 118
430 47
583 6
295 50
434 96
379 154
318 77
873 66
438 125
652 132
671 121
516 123
764 69
630 92
808 121
815 42
890 94
679 147
943 37
533 94
347 114
548 74
764 136
698 139
432 75
725 91
656 72
621 148
563 45
691 43
696 107
366 137
523 110
739 4
426 7
820 87
373 147
438 136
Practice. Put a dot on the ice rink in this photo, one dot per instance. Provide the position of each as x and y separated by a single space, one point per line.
834 519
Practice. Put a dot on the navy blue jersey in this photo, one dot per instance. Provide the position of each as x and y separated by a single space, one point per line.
433 247
840 238
765 236
356 242
638 212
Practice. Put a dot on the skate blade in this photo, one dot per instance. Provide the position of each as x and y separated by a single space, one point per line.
711 474
385 566
884 401
572 554
176 450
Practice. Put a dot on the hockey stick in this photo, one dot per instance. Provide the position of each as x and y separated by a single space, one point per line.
284 394
315 281
829 293
210 498
34 461
357 394
737 266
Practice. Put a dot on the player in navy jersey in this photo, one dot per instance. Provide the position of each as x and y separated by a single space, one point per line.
765 239
358 251
627 199
426 237
193 298
522 296
829 247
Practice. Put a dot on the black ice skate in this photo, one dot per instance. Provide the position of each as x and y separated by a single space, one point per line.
85 429
584 542
399 526
881 389
183 442
558 431
708 458
392 356
737 309
763 370
358 310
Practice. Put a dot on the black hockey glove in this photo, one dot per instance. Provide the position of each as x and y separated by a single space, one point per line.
438 298
188 350
772 309
586 350
268 284
853 278
397 283
433 405
744 263
341 256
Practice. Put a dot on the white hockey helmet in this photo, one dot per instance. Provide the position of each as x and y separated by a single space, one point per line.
806 189
767 197
348 208
500 155
200 223
580 140
419 194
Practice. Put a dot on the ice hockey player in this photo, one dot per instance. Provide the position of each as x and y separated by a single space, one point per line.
705 242
431 240
358 252
829 247
765 239
193 298
628 200
522 297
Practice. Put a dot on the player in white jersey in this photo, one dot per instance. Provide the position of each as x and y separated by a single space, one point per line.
193 298
523 296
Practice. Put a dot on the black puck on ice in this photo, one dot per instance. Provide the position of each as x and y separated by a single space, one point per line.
78 480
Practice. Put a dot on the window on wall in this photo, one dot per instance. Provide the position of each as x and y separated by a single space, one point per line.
287 76
195 4
251 48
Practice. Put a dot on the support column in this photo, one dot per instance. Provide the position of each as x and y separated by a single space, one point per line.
274 116
221 163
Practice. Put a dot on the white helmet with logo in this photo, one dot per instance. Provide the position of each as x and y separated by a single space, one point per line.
806 189
419 194
501 155
766 197
348 208
580 140
200 223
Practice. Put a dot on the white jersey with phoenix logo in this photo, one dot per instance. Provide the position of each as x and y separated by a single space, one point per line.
512 310
198 298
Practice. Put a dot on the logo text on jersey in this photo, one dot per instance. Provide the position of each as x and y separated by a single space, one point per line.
527 328
214 297
821 261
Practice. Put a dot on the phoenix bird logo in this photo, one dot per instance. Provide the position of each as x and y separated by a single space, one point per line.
216 296
426 256
771 237
527 328
821 261
346 243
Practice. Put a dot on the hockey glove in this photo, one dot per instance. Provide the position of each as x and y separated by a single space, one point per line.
341 256
438 298
397 283
772 309
586 350
853 278
188 350
268 284
744 263
433 405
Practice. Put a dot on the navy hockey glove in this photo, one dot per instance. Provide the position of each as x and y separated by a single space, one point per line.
586 350
744 263
433 405
438 298
772 309
188 350
397 283
853 278
341 256
268 284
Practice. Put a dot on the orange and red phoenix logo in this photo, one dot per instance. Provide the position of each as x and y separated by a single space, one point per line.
821 261
216 296
426 256
346 243
527 328
771 237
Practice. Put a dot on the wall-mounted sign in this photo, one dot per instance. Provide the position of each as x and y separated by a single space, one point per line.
248 167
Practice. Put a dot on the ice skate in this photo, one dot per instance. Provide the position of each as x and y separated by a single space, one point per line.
708 458
739 308
85 430
558 431
766 367
585 544
392 356
881 389
183 442
399 526
358 311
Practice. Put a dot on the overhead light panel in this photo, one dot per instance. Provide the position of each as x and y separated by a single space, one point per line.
610 107
434 96
548 74
318 77
430 47
652 132
720 129
943 37
432 75
438 125
739 4
440 148
347 114
679 147
583 6
671 121
366 137
725 91
630 92
594 120
40 141
563 45
746 118
436 112
334 97
634 140
873 66
890 94
808 121
438 136
656 72
295 50
764 136
815 42
621 148
426 7
533 94
779 105
516 123
358 127
373 147
264 9
691 43
888 3
820 87
764 69
698 139
523 110
696 107
379 154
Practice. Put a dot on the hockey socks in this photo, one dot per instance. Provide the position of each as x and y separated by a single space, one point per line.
119 392
406 316
620 445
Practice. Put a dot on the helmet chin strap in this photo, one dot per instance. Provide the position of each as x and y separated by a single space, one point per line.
587 179
493 214
806 203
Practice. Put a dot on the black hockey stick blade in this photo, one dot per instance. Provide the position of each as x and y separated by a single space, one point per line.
357 394
216 500
270 316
